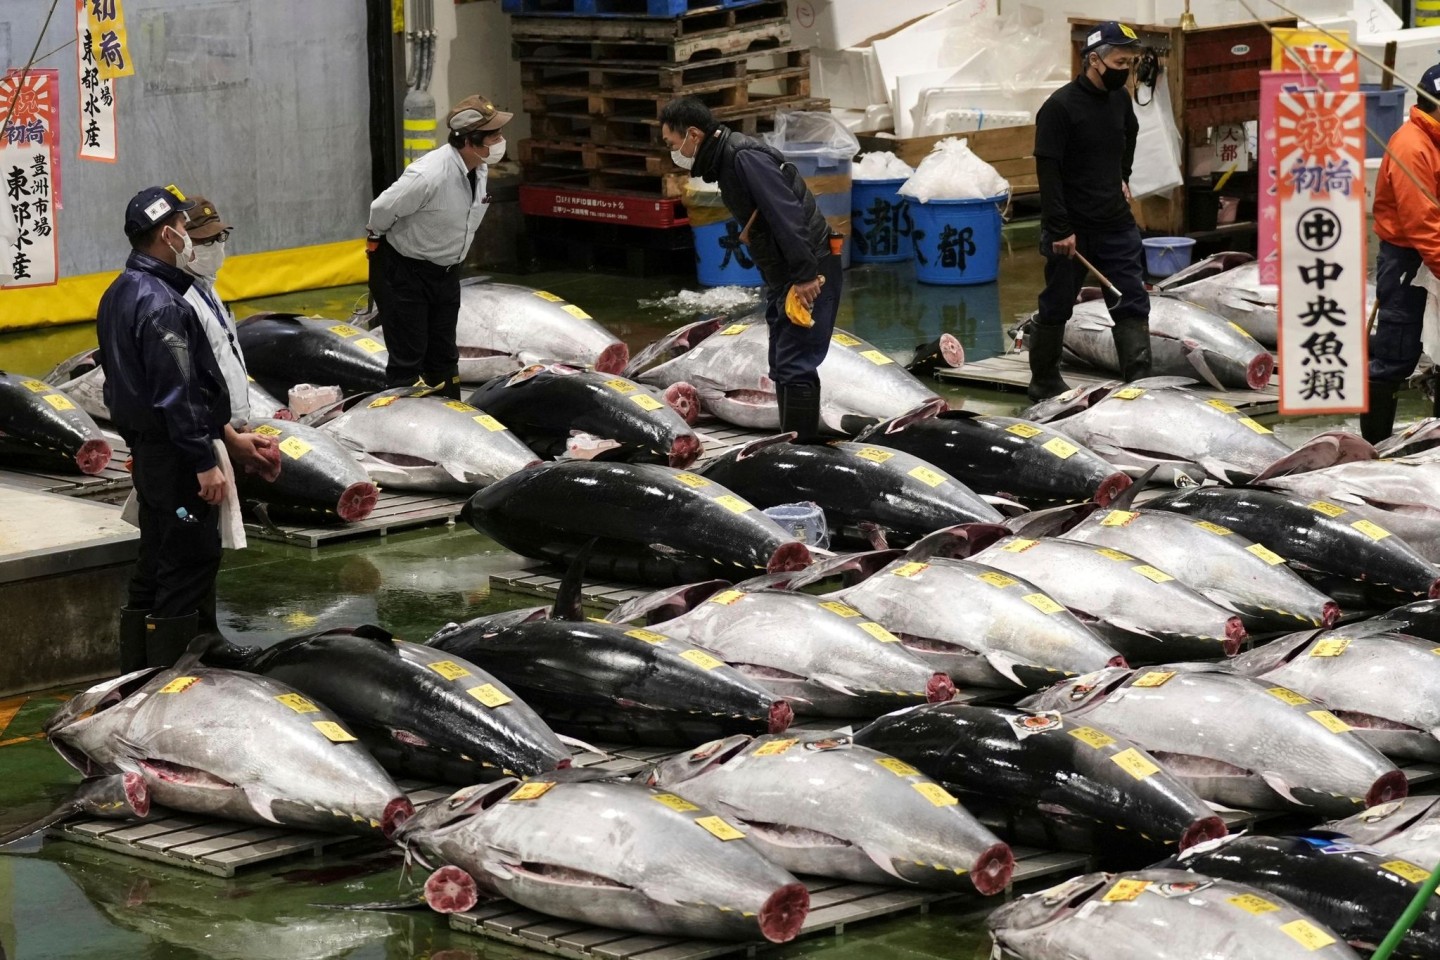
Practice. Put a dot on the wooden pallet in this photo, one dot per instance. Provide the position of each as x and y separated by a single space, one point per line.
669 79
644 106
715 33
617 8
393 512
1011 372
834 904
113 481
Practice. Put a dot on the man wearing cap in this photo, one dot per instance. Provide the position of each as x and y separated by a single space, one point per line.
1408 225
425 221
1084 147
208 235
167 397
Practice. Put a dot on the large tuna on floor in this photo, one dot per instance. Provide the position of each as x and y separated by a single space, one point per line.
229 744
82 379
1186 340
1002 456
428 443
503 327
1315 535
822 655
547 405
1357 892
42 427
653 524
820 804
729 366
1408 829
1237 741
1159 915
1409 485
854 483
319 479
283 349
1045 766
608 854
410 693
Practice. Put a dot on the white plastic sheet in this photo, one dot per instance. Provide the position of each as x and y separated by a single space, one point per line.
1157 148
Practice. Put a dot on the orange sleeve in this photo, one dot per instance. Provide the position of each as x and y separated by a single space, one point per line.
1418 216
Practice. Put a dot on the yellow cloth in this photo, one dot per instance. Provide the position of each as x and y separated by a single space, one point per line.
798 313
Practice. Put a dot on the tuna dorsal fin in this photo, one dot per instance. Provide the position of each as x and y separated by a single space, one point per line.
371 632
755 446
1127 496
569 602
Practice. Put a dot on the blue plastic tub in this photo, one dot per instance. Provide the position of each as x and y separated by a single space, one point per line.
957 242
880 222
1167 255
721 260
828 178
804 521
1384 113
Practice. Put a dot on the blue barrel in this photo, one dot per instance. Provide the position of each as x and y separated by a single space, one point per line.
828 178
721 260
957 242
880 222
1384 113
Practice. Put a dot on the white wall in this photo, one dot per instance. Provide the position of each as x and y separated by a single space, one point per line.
472 55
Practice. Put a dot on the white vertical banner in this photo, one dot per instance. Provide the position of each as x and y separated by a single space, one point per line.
98 140
28 167
1320 178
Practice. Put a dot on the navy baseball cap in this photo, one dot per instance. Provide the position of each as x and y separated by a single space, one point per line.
1112 33
152 205
1430 83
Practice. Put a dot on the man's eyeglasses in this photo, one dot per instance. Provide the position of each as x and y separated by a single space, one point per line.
220 237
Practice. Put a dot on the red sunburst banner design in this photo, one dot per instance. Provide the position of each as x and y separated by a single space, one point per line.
28 172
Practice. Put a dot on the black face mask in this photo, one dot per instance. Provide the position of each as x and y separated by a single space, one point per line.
1113 79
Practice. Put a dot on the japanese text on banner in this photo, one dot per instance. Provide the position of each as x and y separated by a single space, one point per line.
109 45
97 96
27 173
1320 164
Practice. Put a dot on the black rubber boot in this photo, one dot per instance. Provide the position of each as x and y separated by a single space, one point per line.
1132 345
800 410
1378 422
166 638
1045 344
132 639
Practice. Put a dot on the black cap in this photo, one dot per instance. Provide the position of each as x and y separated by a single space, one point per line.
152 205
1110 33
1430 83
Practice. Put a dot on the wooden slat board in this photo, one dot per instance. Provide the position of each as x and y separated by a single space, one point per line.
393 512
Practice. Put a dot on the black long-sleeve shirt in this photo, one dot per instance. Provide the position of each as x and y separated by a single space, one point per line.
1084 149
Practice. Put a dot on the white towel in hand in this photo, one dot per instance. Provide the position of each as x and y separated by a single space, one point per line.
232 526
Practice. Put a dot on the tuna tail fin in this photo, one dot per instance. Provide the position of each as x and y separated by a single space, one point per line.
60 814
666 604
569 601
1127 496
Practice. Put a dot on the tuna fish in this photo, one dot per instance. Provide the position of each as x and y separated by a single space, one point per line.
113 796
1408 829
229 744
822 655
730 369
82 379
319 479
1159 915
427 443
1419 437
413 694
503 327
283 349
1409 485
1315 535
549 404
654 524
820 804
1236 741
854 483
1418 619
1002 456
1047 765
43 427
611 854
1186 340
1353 890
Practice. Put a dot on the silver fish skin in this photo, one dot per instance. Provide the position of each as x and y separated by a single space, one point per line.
820 804
1408 485
88 391
504 327
1408 829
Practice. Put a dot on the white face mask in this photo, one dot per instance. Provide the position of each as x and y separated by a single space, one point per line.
496 154
209 257
679 158
186 253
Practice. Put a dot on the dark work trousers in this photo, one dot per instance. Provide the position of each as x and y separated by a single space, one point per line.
1395 344
796 352
419 305
175 574
1117 254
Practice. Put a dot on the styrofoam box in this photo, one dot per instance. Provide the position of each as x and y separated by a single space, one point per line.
849 79
837 24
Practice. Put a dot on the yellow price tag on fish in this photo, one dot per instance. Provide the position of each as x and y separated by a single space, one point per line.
936 794
844 339
344 330
489 422
775 747
1119 518
1110 554
1329 721
718 828
911 569
1372 530
1042 603
1215 528
547 295
702 659
297 703
333 731
294 447
490 695
840 609
1329 509
179 684
1129 393
1407 870
1287 696
265 430
733 503
1307 934
692 480
1155 678
382 401
898 767
459 405
1255 425
874 455
1265 553
621 385
1332 647
530 791
1152 574
1092 737
649 636
646 402
59 401
1018 545
1222 406
997 579
876 357
734 329
1124 891
369 345
1252 904
727 597
879 632
449 669
1133 762
1063 449
575 312
678 804
1024 430
35 386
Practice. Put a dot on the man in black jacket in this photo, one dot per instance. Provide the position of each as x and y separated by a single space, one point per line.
167 397
1084 147
788 239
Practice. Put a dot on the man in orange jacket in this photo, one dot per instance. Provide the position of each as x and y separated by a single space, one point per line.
1407 221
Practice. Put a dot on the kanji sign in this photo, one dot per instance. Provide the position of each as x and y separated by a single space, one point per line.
1231 148
97 96
1320 187
108 43
27 173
